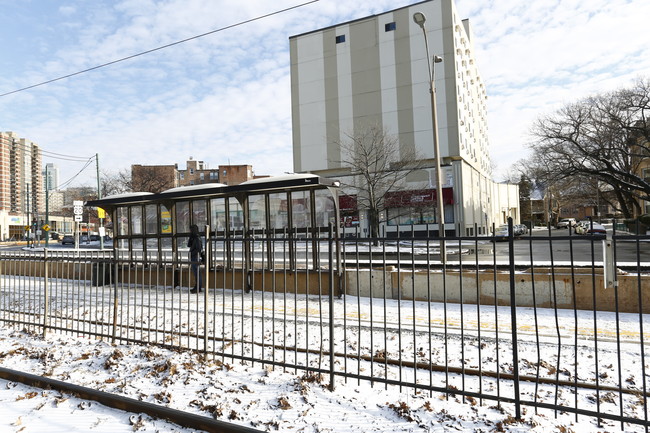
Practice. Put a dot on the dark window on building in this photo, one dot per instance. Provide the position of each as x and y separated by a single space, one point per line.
340 39
390 26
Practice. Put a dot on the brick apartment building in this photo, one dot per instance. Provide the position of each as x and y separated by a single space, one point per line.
157 178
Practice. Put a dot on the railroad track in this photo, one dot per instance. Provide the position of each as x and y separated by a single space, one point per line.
184 419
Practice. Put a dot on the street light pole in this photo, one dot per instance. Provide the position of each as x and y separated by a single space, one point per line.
420 19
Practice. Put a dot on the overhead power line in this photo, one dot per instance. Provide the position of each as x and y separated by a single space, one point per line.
158 48
69 181
27 148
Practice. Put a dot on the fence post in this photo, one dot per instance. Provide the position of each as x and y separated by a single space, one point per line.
609 268
46 294
115 297
205 288
513 318
331 302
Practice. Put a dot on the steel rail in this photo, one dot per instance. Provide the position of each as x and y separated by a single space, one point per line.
184 419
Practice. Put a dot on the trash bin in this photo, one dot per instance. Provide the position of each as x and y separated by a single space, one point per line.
102 273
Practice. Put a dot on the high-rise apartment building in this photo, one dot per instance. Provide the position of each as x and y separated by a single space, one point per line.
372 72
21 184
50 177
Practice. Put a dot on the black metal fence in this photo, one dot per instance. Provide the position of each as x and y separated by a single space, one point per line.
552 321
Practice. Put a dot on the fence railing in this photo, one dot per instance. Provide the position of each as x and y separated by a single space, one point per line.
536 321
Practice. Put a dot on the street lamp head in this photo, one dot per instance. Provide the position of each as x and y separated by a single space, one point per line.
419 19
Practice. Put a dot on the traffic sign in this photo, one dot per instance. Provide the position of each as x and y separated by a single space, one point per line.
78 218
78 208
46 228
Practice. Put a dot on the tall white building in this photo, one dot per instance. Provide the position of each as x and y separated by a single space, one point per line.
373 72
51 177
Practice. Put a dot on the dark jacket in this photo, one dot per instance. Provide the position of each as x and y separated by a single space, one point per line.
194 244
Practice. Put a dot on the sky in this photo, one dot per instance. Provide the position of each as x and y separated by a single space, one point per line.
225 98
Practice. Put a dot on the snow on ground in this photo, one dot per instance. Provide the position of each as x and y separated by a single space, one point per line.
253 395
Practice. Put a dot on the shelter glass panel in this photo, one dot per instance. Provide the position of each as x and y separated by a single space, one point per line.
152 245
218 214
325 208
182 217
257 212
151 219
235 214
166 243
136 244
122 221
136 220
279 210
165 220
301 209
181 244
199 214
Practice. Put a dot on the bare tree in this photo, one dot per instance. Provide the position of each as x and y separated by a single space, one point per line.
152 178
378 165
604 137
115 183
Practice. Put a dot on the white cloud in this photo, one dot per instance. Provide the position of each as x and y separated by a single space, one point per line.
226 97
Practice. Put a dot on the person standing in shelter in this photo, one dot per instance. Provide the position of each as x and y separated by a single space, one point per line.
196 248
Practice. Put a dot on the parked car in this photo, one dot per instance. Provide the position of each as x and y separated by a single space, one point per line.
565 223
520 229
589 228
581 227
596 229
501 233
67 239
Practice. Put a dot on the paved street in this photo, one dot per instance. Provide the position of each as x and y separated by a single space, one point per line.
573 248
542 246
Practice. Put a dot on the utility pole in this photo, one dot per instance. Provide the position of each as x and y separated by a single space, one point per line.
29 217
47 207
99 196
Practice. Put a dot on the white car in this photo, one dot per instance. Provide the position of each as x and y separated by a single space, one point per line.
565 223
589 228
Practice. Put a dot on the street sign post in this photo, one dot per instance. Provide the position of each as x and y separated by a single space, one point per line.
78 210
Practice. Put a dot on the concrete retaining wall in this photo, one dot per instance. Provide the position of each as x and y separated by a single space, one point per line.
551 287
542 287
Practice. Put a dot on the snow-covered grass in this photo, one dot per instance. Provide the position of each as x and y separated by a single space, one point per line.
252 395
582 347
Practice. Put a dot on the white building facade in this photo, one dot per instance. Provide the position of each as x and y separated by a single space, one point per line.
373 72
